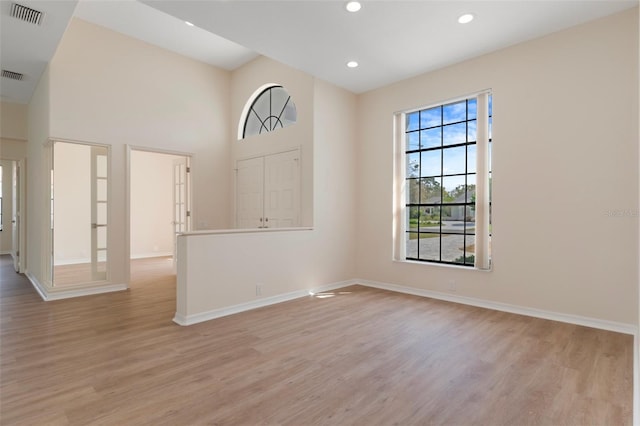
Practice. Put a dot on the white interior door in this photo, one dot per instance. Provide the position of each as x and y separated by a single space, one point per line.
181 207
268 191
99 202
250 193
15 214
282 190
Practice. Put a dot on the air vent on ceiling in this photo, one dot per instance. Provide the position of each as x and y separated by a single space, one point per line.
26 14
12 75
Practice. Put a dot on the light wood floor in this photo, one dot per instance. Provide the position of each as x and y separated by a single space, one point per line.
359 356
69 275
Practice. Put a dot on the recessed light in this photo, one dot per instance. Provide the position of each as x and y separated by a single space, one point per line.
466 18
188 23
352 64
353 6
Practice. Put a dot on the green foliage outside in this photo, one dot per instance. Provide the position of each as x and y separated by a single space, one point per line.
469 260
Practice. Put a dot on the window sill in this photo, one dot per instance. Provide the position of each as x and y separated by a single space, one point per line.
444 265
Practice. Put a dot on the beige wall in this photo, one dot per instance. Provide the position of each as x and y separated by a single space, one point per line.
244 83
13 146
72 204
38 119
565 160
111 89
13 149
7 206
13 120
565 163
151 204
223 270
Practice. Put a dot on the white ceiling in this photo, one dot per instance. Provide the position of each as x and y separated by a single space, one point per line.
28 48
391 39
145 23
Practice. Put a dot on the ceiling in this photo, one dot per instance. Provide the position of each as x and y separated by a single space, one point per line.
390 39
27 48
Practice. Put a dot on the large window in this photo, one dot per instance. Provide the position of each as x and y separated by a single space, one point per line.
273 108
447 177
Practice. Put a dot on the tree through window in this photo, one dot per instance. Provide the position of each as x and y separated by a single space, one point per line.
448 182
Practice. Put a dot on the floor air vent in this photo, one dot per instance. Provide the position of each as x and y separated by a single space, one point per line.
26 14
12 75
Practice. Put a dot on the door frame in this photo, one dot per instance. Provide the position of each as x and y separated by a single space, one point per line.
129 149
48 263
21 223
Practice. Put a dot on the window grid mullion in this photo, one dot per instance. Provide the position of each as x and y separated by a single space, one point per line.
461 209
441 177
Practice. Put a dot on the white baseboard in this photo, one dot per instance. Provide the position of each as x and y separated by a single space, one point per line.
76 261
636 381
5 252
505 307
48 294
37 285
150 255
222 312
481 303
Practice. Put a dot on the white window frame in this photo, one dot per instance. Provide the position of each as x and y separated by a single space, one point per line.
248 107
483 203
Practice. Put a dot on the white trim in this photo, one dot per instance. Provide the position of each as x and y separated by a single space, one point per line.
76 261
127 210
3 252
37 285
482 259
400 175
636 382
505 307
48 294
465 300
249 104
242 307
152 254
444 102
245 231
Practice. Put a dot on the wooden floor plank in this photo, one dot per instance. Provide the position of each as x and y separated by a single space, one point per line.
355 356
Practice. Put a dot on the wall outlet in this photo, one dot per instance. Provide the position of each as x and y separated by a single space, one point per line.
452 286
259 289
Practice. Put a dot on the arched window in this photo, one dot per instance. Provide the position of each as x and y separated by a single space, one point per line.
271 109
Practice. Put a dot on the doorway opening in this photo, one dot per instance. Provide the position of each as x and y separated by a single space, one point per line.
79 209
159 209
11 202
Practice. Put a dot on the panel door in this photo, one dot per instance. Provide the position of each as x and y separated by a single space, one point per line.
250 193
282 190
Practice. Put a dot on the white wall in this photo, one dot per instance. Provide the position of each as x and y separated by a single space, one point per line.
300 86
221 270
6 238
565 154
38 254
111 89
13 146
151 204
72 203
